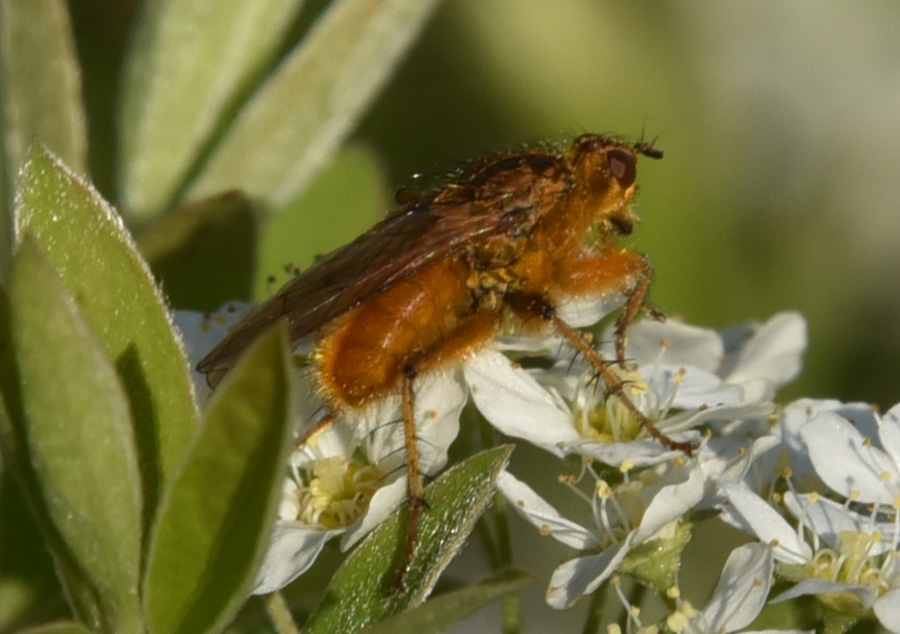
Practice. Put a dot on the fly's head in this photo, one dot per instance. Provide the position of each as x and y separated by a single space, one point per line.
606 171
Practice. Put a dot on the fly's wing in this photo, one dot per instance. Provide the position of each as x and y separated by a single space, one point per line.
406 242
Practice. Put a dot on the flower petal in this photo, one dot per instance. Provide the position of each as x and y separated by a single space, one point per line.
383 504
829 520
889 433
671 503
671 342
512 401
847 461
538 512
865 594
293 550
752 514
583 575
641 453
887 609
774 353
742 589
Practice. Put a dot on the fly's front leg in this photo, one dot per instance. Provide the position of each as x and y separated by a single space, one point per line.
538 305
636 300
607 273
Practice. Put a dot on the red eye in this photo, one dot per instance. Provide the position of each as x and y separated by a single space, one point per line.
622 165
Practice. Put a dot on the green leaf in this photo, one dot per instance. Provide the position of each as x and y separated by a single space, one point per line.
297 119
41 95
204 253
79 436
189 62
57 628
837 621
361 593
216 519
114 291
28 583
16 462
657 561
439 613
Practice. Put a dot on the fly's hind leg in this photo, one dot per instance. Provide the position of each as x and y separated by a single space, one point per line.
468 335
416 490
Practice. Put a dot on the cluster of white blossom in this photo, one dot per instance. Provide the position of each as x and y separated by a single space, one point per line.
816 484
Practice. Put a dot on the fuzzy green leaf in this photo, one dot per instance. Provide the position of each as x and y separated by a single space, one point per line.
361 592
297 119
114 291
57 628
41 95
439 613
216 519
79 436
189 62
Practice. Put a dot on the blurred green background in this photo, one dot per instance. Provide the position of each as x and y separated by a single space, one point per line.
781 127
780 123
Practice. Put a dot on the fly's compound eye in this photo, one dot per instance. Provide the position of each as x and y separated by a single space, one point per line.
623 166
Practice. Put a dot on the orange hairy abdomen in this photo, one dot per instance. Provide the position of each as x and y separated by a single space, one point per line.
424 323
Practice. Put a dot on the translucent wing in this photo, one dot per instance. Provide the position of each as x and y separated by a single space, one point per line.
394 250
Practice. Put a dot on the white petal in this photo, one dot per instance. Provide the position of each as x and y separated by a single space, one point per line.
691 386
846 462
865 594
889 433
293 550
742 589
383 504
641 453
756 516
439 399
439 403
718 413
793 418
337 440
512 401
774 353
203 331
887 609
828 520
534 509
673 343
583 575
587 311
780 632
671 503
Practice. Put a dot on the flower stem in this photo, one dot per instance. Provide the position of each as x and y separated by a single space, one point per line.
280 614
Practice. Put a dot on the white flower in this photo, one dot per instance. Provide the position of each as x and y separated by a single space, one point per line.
647 505
686 376
845 552
350 476
790 454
